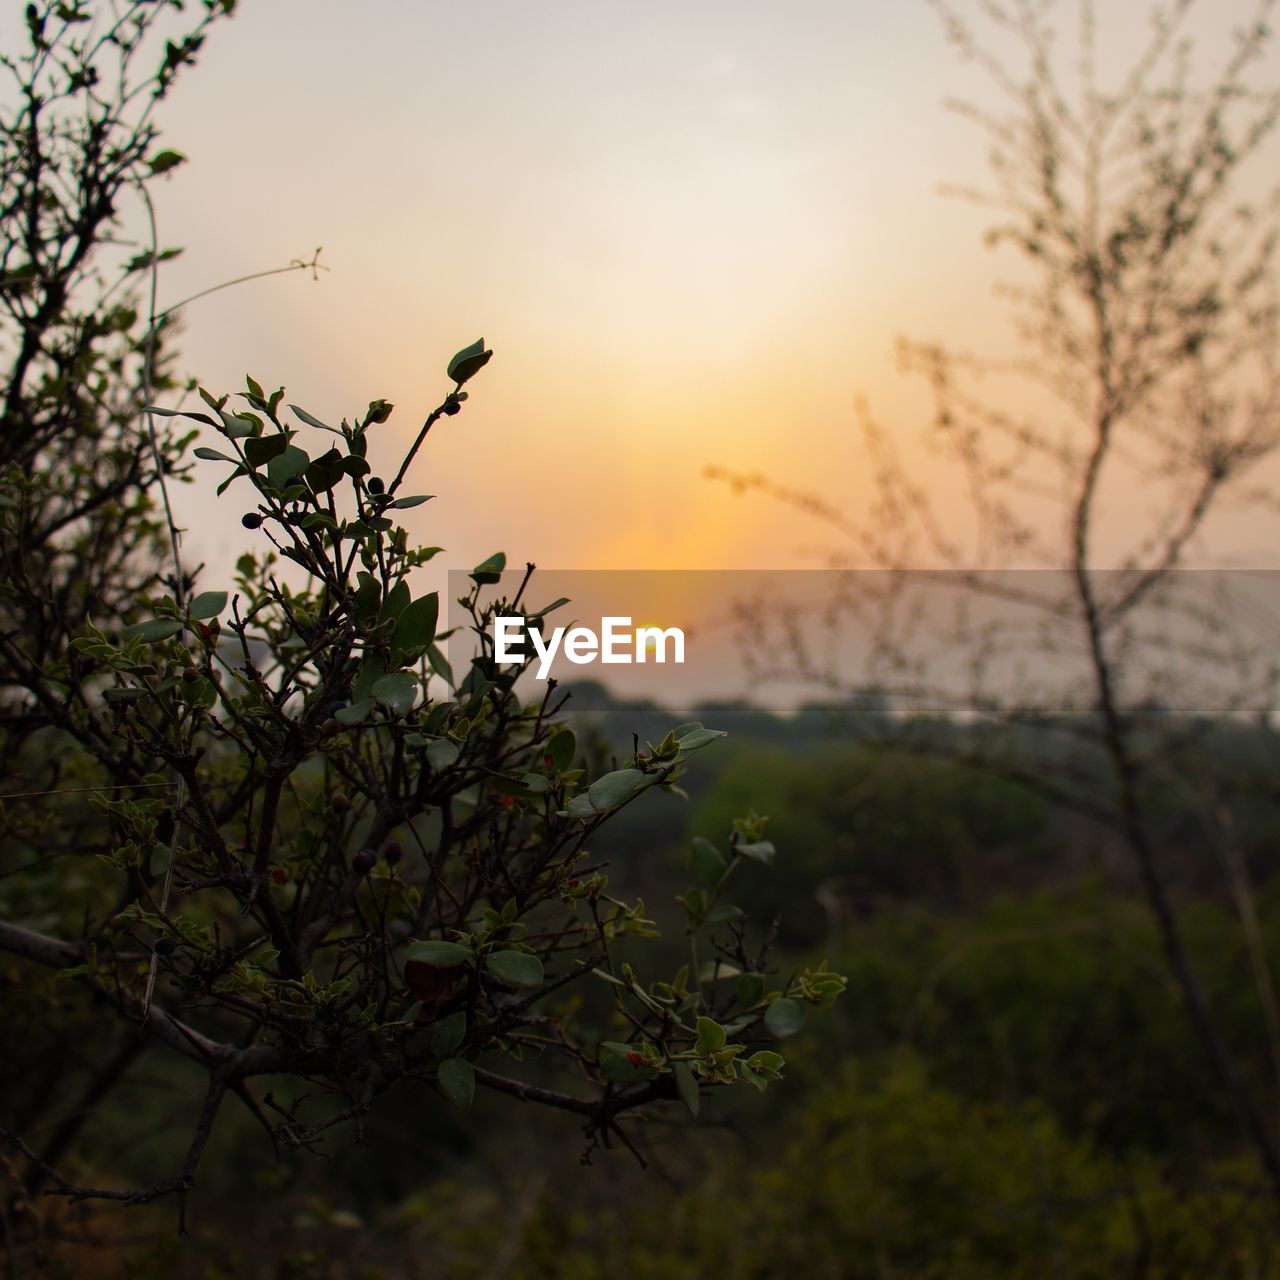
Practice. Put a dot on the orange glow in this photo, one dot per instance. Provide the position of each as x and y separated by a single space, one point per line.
690 233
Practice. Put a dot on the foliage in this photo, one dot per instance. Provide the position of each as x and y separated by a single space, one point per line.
863 824
877 1172
376 870
1145 320
79 532
268 829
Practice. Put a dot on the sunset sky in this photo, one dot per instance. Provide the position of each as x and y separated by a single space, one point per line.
691 233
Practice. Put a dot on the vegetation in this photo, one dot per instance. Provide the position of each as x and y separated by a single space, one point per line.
271 832
1144 323
290 867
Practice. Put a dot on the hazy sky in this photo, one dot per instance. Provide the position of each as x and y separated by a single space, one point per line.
690 232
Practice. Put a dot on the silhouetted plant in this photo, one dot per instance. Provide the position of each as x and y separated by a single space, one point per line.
311 851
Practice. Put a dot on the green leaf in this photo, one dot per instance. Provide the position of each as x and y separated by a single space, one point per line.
618 787
163 161
310 420
440 665
709 863
235 475
766 1062
580 807
355 713
397 692
711 1038
416 627
694 737
415 501
562 747
717 970
437 953
434 720
687 1087
458 1082
181 413
468 362
326 471
208 604
153 631
284 466
784 1017
139 261
211 455
446 1035
395 603
489 571
370 672
234 426
367 596
260 449
442 753
518 968
760 851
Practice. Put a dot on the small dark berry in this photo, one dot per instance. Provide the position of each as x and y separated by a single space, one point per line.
451 407
191 675
339 803
363 862
165 946
293 480
330 727
374 484
393 851
251 520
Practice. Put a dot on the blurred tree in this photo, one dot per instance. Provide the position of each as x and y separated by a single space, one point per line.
80 532
1146 322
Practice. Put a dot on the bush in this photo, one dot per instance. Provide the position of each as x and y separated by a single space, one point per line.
324 857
